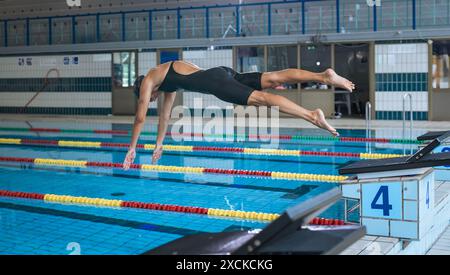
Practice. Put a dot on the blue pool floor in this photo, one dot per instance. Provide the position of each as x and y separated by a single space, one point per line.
37 227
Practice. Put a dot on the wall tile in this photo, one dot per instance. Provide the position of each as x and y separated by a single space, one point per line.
401 68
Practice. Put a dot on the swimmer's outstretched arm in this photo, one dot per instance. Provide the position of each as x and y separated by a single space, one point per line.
164 117
139 120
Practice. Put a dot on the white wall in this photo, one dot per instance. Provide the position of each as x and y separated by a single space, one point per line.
89 65
411 60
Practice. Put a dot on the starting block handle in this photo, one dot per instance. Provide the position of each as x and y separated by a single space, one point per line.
429 148
431 135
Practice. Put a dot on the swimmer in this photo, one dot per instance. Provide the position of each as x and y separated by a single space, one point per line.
227 85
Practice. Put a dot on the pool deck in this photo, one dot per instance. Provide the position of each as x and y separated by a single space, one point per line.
442 245
373 245
344 123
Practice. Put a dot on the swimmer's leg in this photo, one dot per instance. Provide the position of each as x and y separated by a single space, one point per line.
316 117
293 76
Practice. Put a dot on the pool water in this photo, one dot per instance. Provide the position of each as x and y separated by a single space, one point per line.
38 227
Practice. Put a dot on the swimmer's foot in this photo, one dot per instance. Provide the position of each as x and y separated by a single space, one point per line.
332 78
320 121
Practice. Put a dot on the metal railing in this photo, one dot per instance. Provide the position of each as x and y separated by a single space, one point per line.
248 19
404 118
349 209
368 125
47 81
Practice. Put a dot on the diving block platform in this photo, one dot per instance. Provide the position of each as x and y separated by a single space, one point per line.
289 234
441 172
397 197
380 245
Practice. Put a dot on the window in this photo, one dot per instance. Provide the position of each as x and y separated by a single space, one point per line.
282 57
250 59
124 69
315 58
441 71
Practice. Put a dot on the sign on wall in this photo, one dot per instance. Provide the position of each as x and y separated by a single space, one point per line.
74 60
22 61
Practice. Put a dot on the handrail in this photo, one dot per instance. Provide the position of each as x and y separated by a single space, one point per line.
45 84
347 209
368 125
405 97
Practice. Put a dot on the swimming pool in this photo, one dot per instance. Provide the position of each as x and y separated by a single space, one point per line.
38 226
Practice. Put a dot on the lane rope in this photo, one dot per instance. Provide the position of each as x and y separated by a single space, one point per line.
179 169
100 202
281 137
188 148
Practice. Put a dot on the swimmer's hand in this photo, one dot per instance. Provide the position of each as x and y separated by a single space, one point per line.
129 159
157 152
280 87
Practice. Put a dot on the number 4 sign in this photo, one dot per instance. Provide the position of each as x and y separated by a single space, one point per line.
382 200
384 205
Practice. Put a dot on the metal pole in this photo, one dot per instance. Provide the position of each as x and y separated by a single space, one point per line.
368 124
50 33
207 22
74 37
5 26
405 96
178 23
345 209
238 21
303 17
150 31
338 19
98 31
27 33
411 117
124 36
375 23
269 19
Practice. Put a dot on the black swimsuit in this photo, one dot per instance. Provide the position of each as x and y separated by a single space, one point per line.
223 82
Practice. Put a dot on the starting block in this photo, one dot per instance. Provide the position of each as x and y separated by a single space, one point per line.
397 196
289 234
441 172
